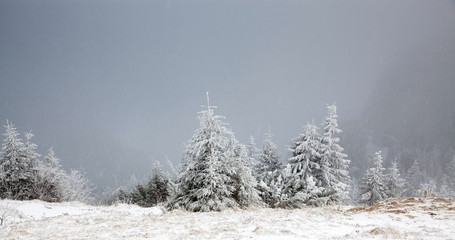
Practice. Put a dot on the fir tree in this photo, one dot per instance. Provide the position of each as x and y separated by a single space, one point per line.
268 172
374 188
157 186
333 172
269 159
205 181
305 153
394 182
414 179
51 178
253 153
77 187
245 192
32 158
16 171
448 180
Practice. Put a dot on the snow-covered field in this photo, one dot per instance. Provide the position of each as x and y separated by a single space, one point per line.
431 218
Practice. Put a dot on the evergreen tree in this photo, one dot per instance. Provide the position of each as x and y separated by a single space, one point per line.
245 192
333 174
269 188
32 158
16 172
268 172
305 153
51 178
374 188
297 191
269 159
77 187
253 153
394 182
414 179
449 179
205 181
157 186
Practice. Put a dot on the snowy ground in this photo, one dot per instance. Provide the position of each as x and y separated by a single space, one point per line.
431 218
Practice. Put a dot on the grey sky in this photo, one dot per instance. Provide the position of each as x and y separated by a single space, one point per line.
112 84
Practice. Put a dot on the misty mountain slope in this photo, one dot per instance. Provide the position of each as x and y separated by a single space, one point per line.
411 114
412 218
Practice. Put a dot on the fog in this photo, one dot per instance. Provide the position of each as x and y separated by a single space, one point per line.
115 85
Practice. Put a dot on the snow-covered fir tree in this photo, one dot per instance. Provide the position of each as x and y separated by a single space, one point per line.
305 152
155 191
32 158
245 192
374 188
51 179
297 191
414 179
16 170
333 173
253 153
77 187
394 181
268 171
205 181
299 186
158 185
268 160
447 185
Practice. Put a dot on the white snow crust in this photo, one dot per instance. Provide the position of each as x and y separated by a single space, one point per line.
431 218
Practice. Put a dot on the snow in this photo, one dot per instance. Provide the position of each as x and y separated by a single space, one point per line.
431 218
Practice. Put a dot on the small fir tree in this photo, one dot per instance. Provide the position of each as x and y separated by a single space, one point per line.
269 159
394 182
32 158
245 192
51 178
414 179
374 188
253 153
157 186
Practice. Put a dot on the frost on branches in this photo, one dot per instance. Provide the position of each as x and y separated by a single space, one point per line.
333 174
395 183
374 188
245 192
268 173
16 169
24 176
155 191
51 178
214 175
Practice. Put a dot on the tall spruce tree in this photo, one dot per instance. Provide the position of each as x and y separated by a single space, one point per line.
205 182
16 170
374 188
334 163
